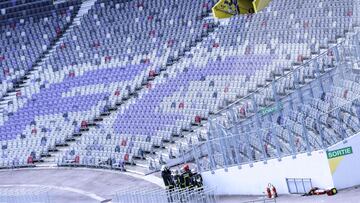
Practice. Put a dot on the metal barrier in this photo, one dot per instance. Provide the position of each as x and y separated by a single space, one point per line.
195 195
299 185
24 195
97 166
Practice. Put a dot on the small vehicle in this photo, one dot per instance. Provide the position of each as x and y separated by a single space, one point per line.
229 8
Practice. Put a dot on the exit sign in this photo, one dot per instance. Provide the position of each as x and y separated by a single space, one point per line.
339 152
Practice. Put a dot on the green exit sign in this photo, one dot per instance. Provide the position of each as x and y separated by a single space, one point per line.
339 152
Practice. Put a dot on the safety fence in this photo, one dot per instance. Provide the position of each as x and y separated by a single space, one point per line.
194 195
245 144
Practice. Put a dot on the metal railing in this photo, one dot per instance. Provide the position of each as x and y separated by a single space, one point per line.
240 141
229 149
194 195
314 73
299 185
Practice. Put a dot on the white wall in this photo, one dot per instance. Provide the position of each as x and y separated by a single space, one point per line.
347 172
252 181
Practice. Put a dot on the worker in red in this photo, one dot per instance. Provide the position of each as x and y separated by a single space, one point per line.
187 175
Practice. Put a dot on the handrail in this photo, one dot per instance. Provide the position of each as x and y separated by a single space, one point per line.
258 90
253 115
230 135
266 129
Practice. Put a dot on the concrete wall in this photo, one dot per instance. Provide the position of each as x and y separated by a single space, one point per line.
346 169
253 180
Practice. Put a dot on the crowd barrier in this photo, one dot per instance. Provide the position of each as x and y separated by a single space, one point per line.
195 195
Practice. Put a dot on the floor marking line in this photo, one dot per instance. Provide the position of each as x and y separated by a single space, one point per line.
69 189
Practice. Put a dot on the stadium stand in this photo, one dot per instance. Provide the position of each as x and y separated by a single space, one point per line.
137 82
50 83
26 32
24 42
164 49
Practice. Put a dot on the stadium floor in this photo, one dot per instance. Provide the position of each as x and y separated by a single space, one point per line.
92 185
74 184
